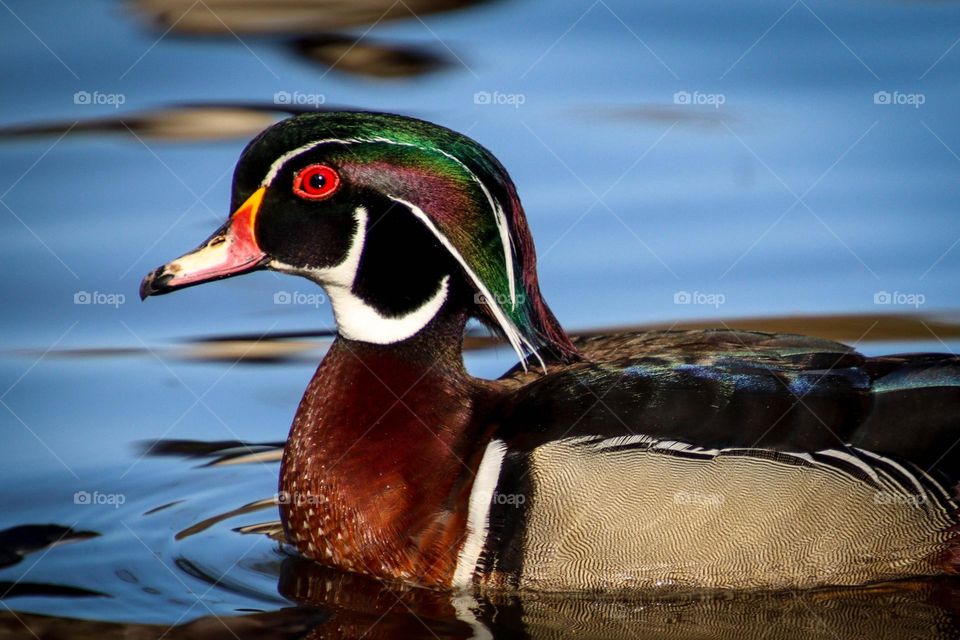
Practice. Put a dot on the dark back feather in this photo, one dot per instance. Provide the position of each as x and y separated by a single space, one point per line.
733 389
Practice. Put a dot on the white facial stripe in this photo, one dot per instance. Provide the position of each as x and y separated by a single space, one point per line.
282 160
501 221
478 512
356 319
514 337
507 245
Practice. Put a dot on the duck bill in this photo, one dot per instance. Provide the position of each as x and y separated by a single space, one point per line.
230 251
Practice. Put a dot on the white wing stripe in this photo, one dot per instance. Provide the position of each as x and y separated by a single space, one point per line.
513 335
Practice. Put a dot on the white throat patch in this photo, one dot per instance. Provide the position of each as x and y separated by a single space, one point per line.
356 319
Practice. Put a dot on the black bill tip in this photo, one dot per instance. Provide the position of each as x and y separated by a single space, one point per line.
155 283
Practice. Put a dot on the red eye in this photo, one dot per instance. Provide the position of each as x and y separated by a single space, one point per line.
316 182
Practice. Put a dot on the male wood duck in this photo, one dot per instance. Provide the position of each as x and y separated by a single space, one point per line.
716 459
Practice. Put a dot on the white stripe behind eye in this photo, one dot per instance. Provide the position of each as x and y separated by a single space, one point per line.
514 337
282 160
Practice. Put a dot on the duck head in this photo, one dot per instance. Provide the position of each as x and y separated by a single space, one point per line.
398 219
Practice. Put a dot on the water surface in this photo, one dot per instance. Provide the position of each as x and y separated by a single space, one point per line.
752 158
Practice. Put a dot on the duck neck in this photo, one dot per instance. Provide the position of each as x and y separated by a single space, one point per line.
380 451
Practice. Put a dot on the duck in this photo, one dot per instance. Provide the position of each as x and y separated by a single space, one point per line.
704 459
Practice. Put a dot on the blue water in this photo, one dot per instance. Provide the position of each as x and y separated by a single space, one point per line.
791 188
